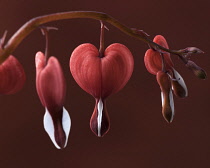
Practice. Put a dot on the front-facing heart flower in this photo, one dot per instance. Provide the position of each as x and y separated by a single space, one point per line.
51 88
101 75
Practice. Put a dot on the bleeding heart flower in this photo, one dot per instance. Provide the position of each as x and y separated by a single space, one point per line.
153 60
12 76
160 64
155 63
51 88
101 77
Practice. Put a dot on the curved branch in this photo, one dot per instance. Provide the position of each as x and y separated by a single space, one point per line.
32 24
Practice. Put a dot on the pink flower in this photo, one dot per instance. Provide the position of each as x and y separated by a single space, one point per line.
169 80
101 76
51 88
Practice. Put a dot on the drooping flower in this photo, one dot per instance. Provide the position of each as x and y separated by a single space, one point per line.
166 96
12 76
159 63
51 88
101 76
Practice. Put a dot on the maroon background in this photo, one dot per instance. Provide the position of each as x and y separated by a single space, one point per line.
139 136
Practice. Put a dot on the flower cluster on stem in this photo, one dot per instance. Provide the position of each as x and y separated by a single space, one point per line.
100 72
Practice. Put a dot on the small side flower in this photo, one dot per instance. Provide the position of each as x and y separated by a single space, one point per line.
12 76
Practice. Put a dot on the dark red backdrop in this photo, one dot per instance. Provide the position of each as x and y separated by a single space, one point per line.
139 136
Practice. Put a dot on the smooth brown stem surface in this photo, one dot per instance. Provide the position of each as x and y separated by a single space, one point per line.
101 49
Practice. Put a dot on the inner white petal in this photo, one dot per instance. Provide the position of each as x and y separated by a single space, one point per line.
49 127
162 98
66 123
99 118
171 102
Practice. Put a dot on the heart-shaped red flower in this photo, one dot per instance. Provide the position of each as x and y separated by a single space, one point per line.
101 77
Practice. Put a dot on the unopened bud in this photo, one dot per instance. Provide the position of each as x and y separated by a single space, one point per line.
198 71
192 50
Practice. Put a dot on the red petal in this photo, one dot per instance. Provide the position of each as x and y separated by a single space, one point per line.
12 76
101 77
153 60
117 68
51 86
85 66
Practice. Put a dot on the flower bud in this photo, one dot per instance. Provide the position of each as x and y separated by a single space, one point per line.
192 50
198 71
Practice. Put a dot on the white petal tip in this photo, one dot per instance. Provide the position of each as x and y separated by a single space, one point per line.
49 126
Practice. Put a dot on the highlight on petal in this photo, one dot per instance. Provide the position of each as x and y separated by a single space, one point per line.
166 96
99 122
178 85
58 129
99 118
168 106
12 76
40 62
153 60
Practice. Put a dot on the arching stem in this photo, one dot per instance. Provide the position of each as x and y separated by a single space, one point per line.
32 24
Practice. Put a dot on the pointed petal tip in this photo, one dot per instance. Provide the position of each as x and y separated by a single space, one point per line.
168 116
168 120
99 135
58 137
